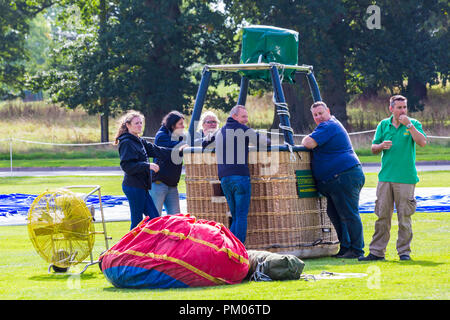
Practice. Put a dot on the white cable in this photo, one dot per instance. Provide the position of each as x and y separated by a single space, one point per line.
279 133
350 134
437 137
152 138
361 132
63 144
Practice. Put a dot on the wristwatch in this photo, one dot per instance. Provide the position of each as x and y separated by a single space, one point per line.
409 125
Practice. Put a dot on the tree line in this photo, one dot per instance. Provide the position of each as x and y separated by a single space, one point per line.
110 56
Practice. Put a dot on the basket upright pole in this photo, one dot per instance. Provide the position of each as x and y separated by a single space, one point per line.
199 101
280 100
315 92
243 91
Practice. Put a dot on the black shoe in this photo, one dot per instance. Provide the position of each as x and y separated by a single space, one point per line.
350 254
341 252
370 257
405 257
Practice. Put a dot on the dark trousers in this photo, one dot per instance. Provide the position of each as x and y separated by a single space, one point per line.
342 193
237 191
141 203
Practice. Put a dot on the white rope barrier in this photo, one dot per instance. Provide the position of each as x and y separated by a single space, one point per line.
437 137
10 140
361 132
304 135
153 138
279 133
64 144
350 134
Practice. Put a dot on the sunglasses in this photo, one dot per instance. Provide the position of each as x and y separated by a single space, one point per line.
211 122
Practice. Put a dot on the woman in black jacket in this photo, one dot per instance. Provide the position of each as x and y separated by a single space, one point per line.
134 160
164 189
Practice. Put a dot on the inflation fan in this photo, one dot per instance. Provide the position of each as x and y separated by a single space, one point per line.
61 227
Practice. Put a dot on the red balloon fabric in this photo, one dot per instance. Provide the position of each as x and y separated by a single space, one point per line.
176 251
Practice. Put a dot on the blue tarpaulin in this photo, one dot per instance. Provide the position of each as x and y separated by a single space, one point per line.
432 203
16 205
19 203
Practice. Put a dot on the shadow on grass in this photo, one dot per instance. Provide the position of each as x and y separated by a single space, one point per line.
62 276
181 290
422 263
321 262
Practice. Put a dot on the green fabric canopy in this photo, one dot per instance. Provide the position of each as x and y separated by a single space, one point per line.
272 44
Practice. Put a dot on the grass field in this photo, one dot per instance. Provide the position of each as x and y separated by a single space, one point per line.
110 157
24 274
47 122
59 163
112 185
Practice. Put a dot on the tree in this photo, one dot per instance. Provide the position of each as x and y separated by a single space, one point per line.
325 39
14 26
138 56
408 50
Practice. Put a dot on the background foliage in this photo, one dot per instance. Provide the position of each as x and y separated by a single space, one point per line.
110 56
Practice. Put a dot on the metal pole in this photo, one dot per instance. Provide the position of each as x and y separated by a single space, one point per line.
315 92
10 155
243 91
257 66
103 218
282 112
199 101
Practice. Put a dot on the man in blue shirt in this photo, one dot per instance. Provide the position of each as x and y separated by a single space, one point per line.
339 177
232 147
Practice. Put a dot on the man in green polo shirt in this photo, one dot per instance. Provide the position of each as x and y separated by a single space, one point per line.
396 138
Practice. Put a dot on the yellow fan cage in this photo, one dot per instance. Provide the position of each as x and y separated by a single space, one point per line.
61 228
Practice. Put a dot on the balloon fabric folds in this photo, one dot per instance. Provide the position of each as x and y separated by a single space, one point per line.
175 251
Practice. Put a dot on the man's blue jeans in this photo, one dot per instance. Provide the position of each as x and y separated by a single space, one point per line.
237 190
342 193
162 194
140 204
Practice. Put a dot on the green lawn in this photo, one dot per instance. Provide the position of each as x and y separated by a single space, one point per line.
419 158
112 185
24 274
110 158
56 163
431 152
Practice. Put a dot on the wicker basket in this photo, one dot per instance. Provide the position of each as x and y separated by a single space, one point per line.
278 220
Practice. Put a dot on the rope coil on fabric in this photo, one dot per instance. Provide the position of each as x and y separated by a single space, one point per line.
258 275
